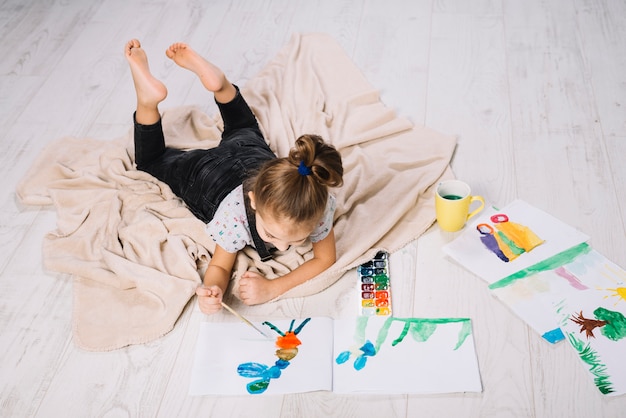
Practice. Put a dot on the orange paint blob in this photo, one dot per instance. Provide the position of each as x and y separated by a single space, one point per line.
289 340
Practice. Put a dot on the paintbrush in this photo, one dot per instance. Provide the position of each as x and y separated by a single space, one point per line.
243 319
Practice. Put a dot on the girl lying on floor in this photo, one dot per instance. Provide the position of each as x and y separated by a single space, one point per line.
240 189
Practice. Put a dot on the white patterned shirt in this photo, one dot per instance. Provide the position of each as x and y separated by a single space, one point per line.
230 230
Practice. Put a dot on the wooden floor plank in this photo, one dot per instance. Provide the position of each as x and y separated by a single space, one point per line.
40 33
36 324
616 148
380 63
468 98
565 148
601 34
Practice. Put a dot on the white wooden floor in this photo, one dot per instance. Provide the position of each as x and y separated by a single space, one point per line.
535 91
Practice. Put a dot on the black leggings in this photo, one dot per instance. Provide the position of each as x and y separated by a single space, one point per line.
203 177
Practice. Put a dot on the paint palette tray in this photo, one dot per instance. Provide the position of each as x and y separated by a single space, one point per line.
374 286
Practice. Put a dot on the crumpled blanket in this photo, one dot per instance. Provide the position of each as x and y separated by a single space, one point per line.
137 254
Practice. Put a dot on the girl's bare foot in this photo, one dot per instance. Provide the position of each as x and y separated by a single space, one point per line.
211 77
150 91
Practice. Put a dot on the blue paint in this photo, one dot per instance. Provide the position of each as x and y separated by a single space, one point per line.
367 350
554 336
264 372
297 330
489 241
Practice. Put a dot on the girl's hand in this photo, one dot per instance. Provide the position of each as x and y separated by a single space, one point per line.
255 289
209 299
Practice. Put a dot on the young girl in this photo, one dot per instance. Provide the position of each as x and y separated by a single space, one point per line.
241 190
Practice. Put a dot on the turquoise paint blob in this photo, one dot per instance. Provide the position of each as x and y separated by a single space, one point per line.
343 357
554 336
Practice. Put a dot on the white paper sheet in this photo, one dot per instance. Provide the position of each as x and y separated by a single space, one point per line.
435 365
533 295
603 353
222 347
471 253
442 359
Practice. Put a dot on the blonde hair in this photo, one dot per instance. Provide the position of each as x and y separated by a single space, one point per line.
296 187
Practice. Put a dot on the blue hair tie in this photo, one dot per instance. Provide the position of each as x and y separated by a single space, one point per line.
303 169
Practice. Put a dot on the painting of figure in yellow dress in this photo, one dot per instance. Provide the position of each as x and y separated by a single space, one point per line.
504 240
509 239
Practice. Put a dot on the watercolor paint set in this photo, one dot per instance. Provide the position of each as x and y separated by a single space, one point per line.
374 286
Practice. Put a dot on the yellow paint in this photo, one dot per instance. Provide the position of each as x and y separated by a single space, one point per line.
524 290
505 248
620 275
620 292
521 235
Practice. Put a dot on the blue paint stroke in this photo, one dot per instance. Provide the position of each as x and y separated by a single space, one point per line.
254 370
366 350
554 336
492 245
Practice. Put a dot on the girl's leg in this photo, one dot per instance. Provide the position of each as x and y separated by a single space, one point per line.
150 91
149 140
211 77
235 112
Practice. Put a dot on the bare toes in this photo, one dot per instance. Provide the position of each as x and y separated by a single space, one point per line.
133 43
174 48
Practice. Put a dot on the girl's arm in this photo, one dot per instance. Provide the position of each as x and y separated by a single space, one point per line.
255 289
215 281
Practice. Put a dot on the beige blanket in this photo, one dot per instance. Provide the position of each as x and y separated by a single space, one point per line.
137 253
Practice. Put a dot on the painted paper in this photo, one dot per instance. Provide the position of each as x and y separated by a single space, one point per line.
595 326
224 347
356 355
552 279
405 355
501 242
532 292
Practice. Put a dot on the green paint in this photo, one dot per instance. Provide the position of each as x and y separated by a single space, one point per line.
551 263
434 320
359 333
382 333
421 329
258 386
466 331
596 367
615 328
511 244
559 310
403 334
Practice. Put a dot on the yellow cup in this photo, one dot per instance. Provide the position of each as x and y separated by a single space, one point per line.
452 205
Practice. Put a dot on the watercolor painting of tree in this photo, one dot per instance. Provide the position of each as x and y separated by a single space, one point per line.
597 332
612 324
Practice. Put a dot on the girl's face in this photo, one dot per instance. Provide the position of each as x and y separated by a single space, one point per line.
281 234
